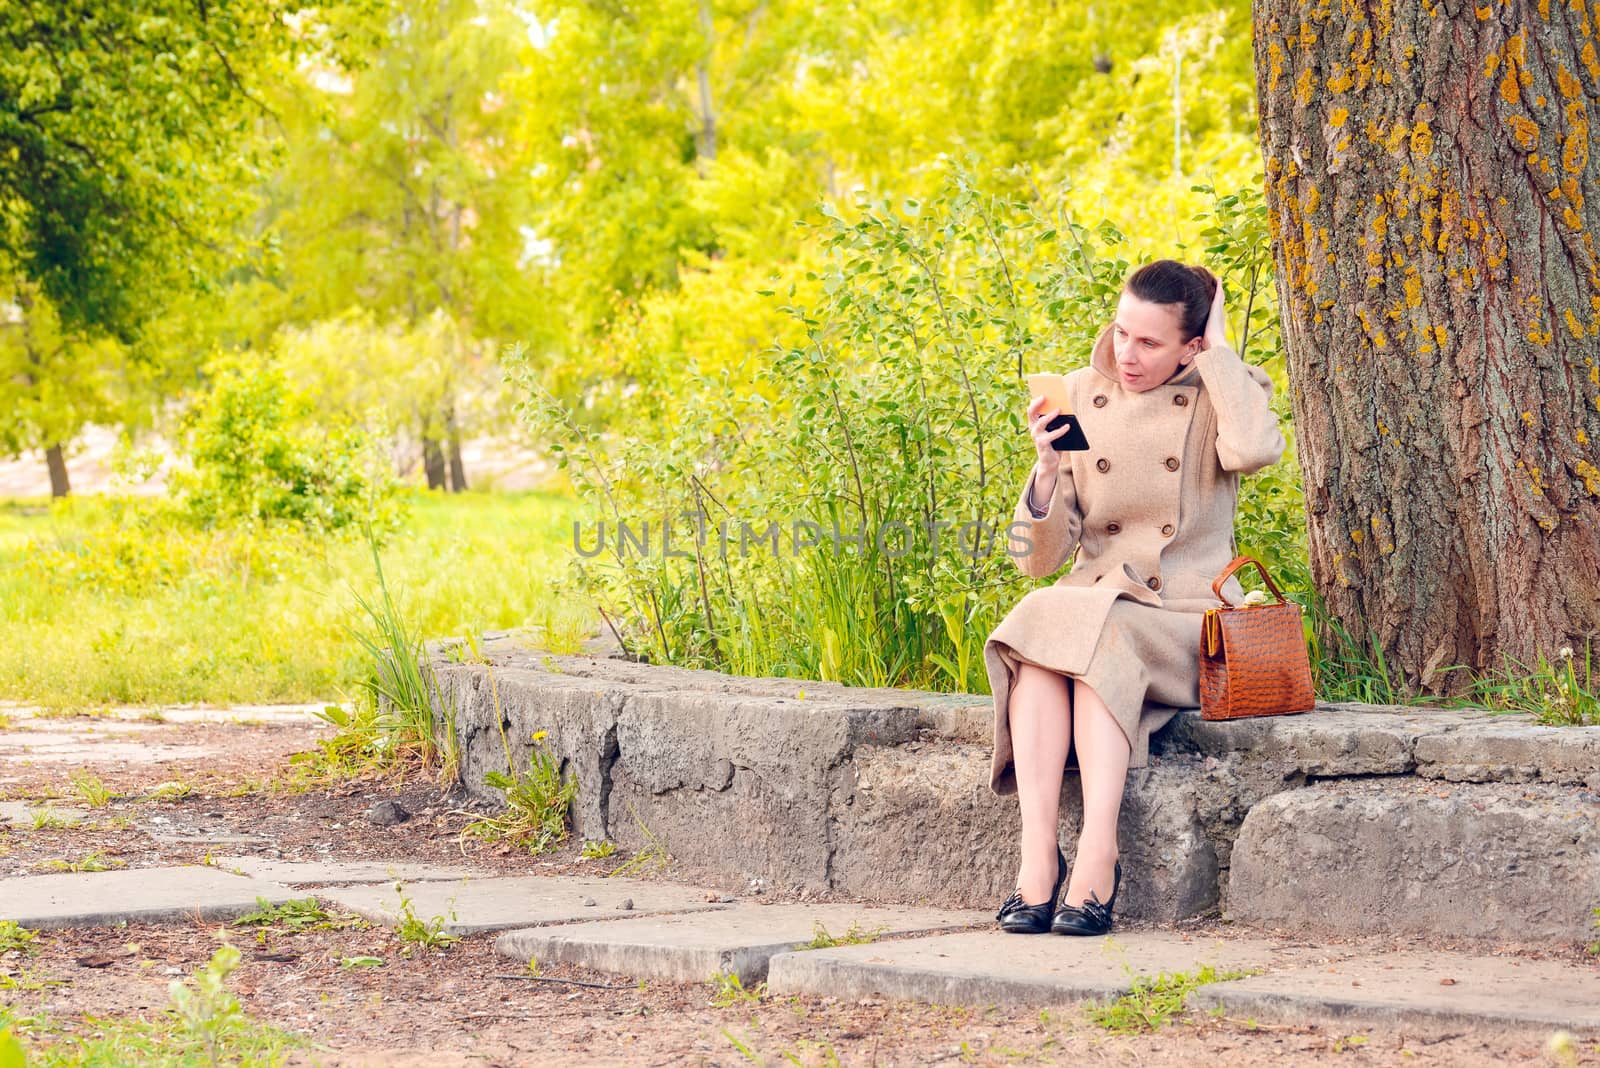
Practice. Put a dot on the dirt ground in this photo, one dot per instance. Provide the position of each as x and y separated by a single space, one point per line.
462 1005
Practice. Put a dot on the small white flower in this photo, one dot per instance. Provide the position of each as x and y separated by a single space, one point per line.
1566 652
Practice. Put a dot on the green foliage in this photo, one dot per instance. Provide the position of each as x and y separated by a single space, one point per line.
417 933
258 456
91 789
728 990
15 938
538 802
900 381
1564 692
96 861
207 1010
1154 1000
292 917
110 600
598 850
854 936
399 688
128 134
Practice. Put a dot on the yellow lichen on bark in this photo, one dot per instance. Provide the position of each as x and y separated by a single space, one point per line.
1524 130
1590 475
1422 139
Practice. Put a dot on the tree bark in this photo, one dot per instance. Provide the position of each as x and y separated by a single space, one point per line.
55 459
1428 180
708 117
433 463
458 470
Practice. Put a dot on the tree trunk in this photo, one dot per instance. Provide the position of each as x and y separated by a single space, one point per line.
458 470
1428 173
56 460
433 463
708 117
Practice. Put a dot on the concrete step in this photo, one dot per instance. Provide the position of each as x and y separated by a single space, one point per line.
883 794
740 940
1415 856
133 895
1285 979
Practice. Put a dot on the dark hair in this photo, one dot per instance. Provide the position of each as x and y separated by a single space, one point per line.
1171 282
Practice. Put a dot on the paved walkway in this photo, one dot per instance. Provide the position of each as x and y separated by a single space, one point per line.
645 929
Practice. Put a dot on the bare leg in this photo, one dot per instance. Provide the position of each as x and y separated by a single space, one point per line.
1041 729
1103 753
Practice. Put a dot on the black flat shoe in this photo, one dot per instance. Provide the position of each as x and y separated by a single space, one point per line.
1090 918
1018 917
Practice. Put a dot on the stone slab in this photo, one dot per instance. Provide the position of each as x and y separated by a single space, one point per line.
473 906
1413 856
694 947
54 747
20 815
328 872
1512 752
995 968
132 895
1436 989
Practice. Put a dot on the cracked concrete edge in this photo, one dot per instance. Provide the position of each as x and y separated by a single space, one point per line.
1235 1001
386 917
112 917
814 972
675 964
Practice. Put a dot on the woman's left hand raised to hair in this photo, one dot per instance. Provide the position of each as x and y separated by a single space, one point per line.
1217 322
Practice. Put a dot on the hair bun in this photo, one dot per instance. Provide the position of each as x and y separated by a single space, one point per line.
1205 276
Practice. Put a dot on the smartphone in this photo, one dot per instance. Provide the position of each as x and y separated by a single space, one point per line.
1053 388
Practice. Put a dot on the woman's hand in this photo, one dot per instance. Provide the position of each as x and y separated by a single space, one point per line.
1217 321
1038 416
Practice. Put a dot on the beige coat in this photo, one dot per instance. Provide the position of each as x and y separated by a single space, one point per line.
1149 511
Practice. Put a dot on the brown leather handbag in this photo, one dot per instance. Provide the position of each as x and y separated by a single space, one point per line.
1253 657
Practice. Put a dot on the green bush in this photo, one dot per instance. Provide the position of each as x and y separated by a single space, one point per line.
257 454
895 395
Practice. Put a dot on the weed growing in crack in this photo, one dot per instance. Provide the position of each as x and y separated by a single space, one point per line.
538 802
417 933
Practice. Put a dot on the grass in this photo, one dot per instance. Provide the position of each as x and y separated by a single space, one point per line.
854 936
1154 1000
96 861
203 1025
728 990
652 856
45 820
15 938
91 789
105 601
1559 692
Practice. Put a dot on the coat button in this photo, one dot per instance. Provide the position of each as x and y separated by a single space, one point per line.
1181 400
1099 400
1113 528
1167 530
1154 584
1172 463
1102 465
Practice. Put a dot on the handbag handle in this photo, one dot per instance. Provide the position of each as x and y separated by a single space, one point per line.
1238 562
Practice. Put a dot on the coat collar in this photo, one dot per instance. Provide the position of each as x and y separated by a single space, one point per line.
1103 359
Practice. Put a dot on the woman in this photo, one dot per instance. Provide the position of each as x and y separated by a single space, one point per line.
1091 666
